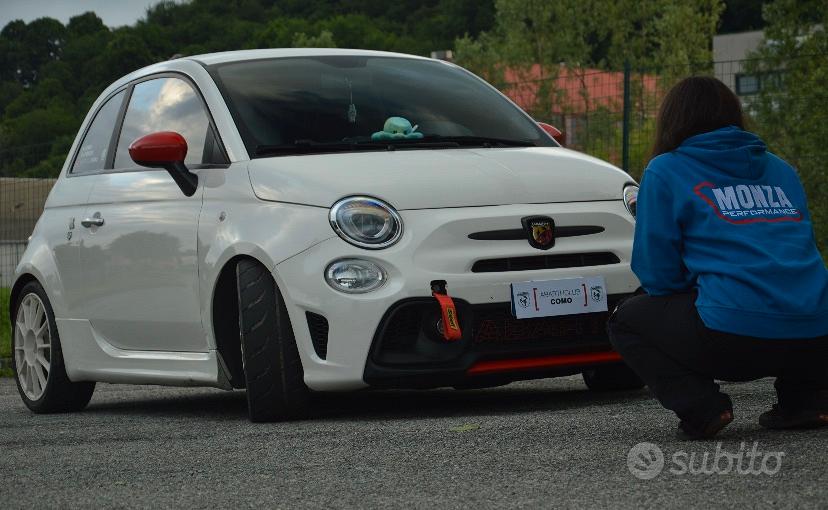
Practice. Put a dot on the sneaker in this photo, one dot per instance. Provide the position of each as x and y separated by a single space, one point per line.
780 419
686 432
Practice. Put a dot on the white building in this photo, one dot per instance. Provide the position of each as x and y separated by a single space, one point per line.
729 53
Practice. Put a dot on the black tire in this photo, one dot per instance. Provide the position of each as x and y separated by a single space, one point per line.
60 395
612 378
273 372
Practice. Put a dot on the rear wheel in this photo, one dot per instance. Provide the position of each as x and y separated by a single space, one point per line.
612 378
272 369
38 358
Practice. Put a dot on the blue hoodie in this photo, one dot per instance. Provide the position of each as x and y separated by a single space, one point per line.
723 215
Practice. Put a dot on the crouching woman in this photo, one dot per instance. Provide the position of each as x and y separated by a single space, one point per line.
735 287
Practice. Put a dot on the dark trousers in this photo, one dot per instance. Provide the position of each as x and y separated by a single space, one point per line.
663 339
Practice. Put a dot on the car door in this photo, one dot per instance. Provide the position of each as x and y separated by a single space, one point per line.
139 253
67 203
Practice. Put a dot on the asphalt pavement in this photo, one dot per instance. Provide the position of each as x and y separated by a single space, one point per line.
544 444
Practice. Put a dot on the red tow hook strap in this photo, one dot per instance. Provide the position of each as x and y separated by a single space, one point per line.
451 324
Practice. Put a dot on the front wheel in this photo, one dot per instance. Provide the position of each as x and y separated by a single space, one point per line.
38 358
272 369
612 378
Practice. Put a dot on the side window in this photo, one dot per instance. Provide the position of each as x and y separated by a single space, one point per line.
167 104
95 145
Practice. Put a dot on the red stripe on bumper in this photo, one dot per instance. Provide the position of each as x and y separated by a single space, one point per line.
567 360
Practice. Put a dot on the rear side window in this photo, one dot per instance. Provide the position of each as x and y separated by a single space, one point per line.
95 146
167 104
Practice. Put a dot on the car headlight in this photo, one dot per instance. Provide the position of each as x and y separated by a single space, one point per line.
631 198
355 276
366 222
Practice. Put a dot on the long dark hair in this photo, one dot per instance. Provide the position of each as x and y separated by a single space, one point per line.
695 105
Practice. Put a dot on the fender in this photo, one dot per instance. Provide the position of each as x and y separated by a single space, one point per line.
38 263
241 224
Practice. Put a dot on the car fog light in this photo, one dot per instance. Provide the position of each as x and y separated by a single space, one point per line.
355 276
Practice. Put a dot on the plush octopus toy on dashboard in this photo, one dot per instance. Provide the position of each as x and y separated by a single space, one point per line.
397 128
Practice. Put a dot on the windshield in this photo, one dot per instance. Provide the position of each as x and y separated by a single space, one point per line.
339 103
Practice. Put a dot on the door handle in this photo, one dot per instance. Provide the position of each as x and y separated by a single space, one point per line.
95 221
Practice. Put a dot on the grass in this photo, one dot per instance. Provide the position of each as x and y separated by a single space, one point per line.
5 325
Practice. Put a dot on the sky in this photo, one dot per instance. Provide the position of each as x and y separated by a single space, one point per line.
114 13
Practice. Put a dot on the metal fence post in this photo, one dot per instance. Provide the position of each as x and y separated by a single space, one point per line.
625 129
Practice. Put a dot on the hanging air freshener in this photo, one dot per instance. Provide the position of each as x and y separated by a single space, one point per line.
352 111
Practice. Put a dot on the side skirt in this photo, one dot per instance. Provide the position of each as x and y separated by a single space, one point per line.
89 357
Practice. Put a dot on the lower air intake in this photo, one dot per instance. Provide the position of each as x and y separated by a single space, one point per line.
318 327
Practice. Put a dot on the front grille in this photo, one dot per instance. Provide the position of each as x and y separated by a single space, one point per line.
318 327
544 262
408 334
488 324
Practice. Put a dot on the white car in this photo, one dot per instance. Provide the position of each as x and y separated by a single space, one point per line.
289 221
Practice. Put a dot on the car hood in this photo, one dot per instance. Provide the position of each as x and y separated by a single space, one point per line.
424 179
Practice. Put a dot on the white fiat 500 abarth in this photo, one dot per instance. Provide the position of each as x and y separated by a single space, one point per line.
289 221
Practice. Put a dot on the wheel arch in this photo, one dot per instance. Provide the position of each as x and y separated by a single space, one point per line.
224 313
38 264
17 287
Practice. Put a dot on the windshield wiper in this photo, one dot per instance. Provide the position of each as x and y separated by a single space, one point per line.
478 141
439 141
313 147
429 142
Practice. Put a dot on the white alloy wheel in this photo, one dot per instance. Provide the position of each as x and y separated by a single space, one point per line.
32 346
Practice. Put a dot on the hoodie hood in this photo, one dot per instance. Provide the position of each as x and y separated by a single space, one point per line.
730 150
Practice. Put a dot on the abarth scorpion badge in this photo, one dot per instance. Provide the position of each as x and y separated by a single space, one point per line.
540 230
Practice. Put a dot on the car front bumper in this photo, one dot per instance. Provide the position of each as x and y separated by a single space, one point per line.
389 337
409 351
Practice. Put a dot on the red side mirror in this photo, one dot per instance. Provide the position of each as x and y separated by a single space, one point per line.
156 150
167 150
553 132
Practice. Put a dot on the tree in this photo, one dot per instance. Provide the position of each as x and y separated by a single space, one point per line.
27 47
791 110
323 40
741 15
600 34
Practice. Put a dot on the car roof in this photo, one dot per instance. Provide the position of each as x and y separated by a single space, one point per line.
242 55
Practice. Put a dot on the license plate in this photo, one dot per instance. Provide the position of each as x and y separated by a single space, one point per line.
566 296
